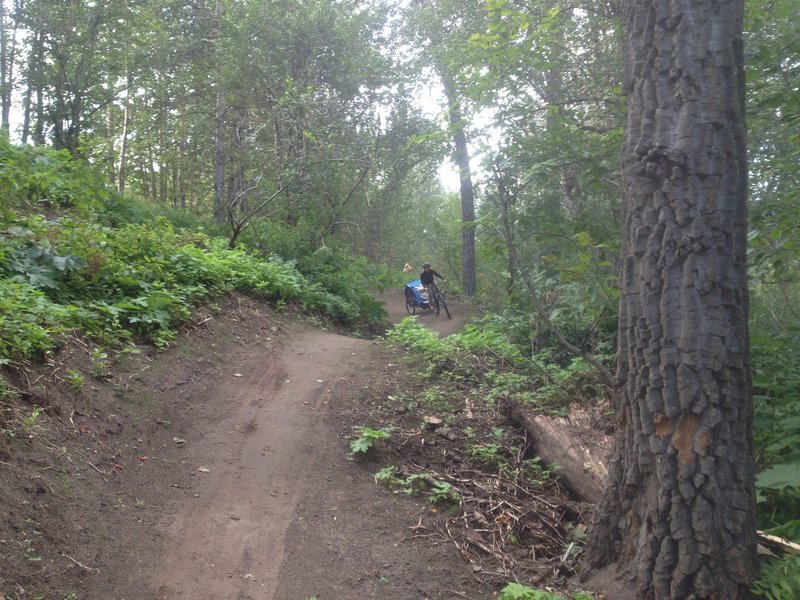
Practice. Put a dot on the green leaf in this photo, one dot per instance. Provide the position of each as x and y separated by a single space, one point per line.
360 445
780 476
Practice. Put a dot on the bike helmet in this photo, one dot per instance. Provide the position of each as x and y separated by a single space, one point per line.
425 265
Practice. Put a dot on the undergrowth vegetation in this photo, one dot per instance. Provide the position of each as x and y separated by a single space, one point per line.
491 361
484 359
76 257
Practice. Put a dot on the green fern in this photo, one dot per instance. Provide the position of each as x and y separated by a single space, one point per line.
367 436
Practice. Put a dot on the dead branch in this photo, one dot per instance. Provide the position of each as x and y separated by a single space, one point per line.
81 565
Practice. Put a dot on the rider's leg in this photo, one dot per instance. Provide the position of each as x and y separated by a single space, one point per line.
431 298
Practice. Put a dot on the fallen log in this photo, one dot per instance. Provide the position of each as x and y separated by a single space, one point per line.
582 451
772 543
574 443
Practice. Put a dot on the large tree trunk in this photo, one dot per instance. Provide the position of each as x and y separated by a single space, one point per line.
677 517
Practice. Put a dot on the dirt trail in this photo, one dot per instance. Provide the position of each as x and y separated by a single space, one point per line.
272 508
229 537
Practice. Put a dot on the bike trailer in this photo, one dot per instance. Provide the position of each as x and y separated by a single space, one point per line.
415 291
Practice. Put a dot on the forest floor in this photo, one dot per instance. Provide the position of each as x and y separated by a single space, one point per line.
219 468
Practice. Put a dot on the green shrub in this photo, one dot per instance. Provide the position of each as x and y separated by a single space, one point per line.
29 322
515 591
780 578
437 492
36 176
417 337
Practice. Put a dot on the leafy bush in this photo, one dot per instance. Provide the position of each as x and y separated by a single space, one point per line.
488 334
776 380
780 578
29 322
140 279
418 483
336 273
562 385
120 270
423 342
515 591
484 356
34 176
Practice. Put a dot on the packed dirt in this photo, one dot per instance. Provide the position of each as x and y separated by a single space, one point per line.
219 468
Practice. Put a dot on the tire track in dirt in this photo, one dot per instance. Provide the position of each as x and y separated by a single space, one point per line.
260 520
227 541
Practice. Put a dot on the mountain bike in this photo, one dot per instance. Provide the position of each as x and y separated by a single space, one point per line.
439 300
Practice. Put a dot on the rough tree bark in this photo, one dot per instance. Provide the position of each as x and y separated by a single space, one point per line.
677 517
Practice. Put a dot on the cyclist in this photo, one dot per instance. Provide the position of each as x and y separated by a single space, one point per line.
427 281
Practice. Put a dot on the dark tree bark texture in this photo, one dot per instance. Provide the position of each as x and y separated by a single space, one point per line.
677 517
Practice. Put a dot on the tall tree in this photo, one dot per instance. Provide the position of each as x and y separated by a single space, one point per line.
9 39
33 100
440 30
466 189
219 117
550 75
677 518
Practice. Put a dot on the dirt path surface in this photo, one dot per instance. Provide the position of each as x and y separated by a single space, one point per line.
228 539
275 510
217 470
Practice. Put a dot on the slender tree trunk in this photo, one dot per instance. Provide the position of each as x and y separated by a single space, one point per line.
467 192
8 50
38 130
181 191
677 517
111 163
26 103
219 159
34 91
505 207
163 181
123 147
219 136
6 66
150 181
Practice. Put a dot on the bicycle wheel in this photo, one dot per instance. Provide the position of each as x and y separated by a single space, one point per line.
411 307
441 301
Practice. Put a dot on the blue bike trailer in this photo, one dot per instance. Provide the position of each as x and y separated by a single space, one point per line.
415 289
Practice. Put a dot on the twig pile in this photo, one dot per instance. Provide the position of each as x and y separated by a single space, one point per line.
506 525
